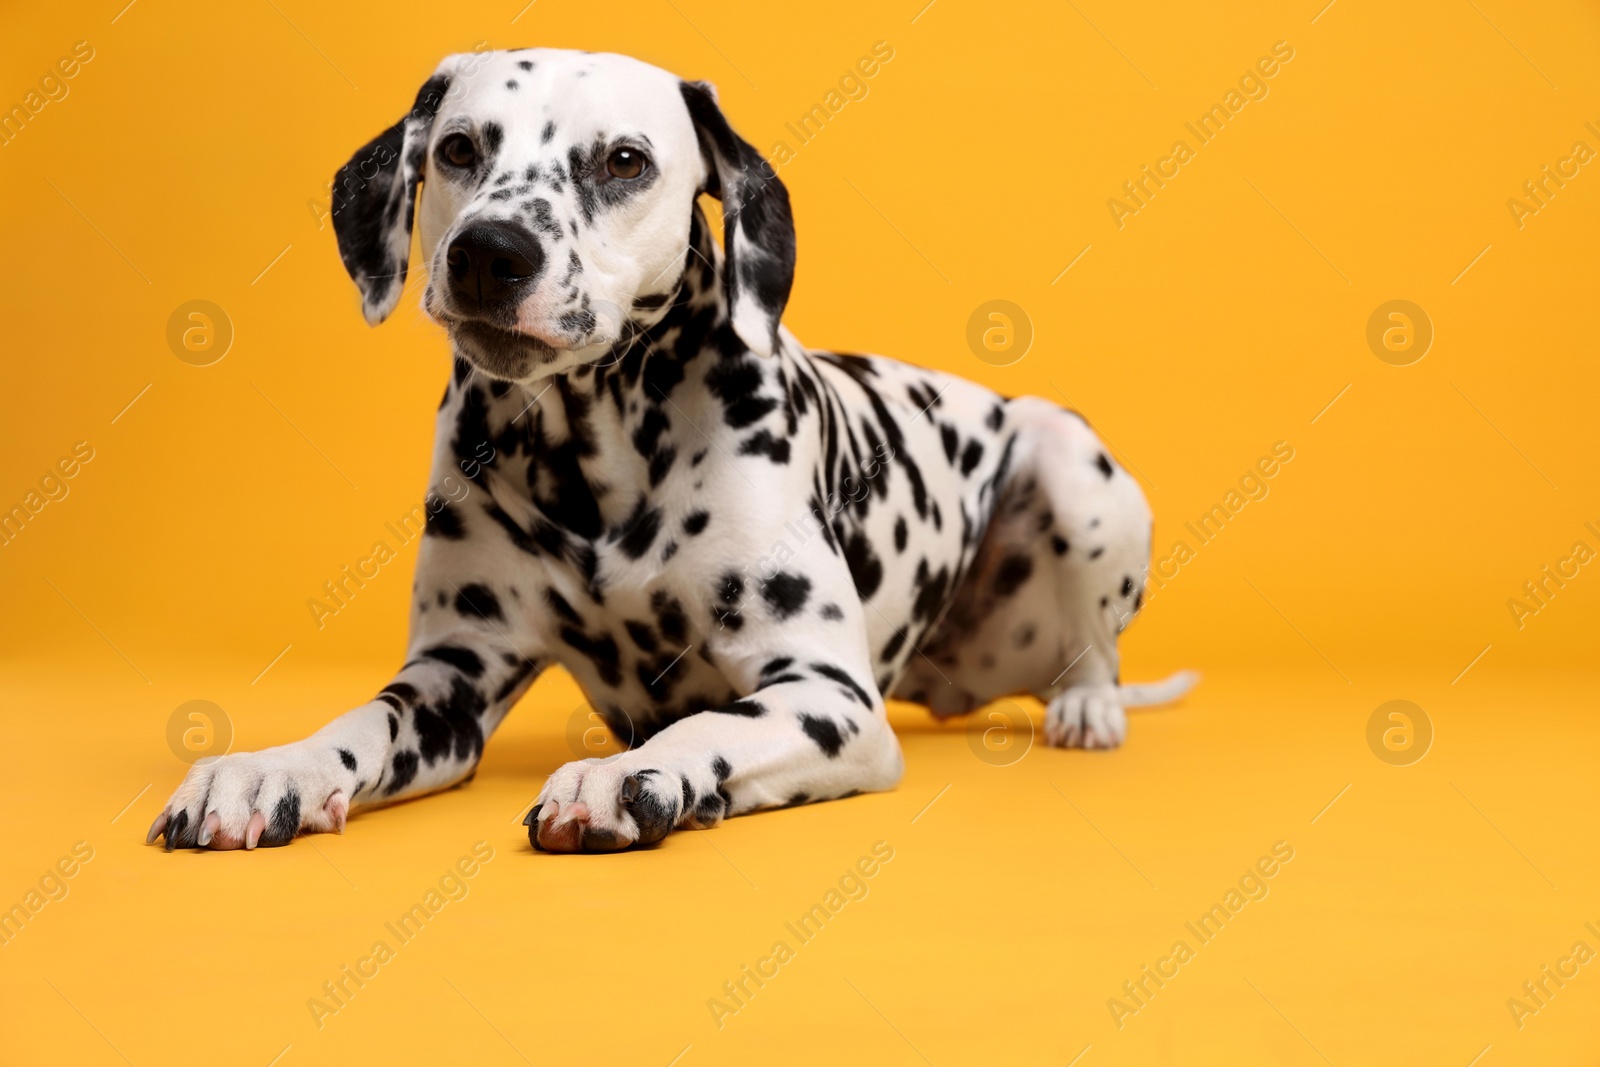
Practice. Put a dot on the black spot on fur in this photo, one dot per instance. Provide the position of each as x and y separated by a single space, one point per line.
824 732
660 464
284 822
653 813
971 456
695 522
831 612
394 728
786 593
829 671
405 770
865 568
710 808
450 724
648 434
642 636
475 599
670 619
561 607
462 659
1014 570
762 443
1127 586
1103 464
728 592
398 695
509 686
639 531
1058 545
602 652
347 758
900 533
750 709
446 523
492 136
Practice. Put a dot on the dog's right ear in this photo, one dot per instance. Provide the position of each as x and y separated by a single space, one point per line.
375 200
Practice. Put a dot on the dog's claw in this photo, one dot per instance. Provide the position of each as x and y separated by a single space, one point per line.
253 832
156 827
208 829
175 829
338 810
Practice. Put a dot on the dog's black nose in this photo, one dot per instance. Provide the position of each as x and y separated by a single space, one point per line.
492 265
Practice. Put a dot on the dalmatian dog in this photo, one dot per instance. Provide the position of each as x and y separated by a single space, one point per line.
738 546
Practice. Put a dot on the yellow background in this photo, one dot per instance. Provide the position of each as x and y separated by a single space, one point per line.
1223 317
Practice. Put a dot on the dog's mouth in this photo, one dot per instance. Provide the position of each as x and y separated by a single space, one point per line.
499 352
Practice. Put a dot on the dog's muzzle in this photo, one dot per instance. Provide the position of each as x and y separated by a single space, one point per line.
491 268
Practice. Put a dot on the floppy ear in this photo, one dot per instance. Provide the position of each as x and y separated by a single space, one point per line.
375 199
758 228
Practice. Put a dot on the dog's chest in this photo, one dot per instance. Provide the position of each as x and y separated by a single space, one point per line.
661 507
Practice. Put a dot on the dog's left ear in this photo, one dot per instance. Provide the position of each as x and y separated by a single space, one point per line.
375 200
758 227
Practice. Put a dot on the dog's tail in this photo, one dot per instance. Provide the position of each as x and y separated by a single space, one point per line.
1163 692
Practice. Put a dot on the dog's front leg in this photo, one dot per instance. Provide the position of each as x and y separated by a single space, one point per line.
472 654
812 727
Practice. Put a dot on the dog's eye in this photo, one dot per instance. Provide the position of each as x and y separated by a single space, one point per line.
626 163
458 151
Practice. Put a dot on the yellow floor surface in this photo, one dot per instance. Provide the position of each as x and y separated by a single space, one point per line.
1006 906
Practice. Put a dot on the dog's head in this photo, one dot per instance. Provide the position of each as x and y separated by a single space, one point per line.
557 195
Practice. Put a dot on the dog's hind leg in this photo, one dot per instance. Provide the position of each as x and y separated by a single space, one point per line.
1092 549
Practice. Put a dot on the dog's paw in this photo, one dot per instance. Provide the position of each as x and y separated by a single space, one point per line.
256 798
1086 717
603 805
